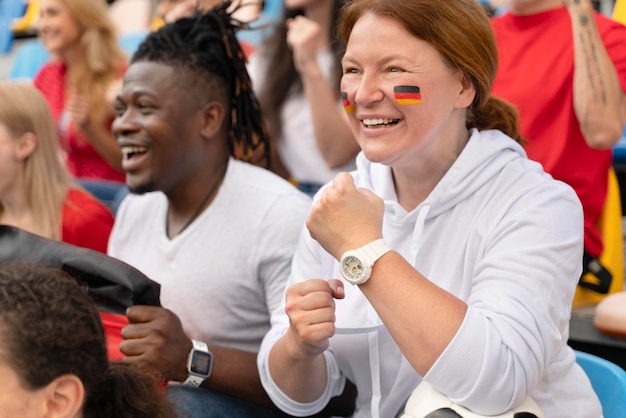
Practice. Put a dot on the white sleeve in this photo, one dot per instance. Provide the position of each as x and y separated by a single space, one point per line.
307 254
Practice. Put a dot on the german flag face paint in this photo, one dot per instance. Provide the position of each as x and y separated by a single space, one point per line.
347 106
407 95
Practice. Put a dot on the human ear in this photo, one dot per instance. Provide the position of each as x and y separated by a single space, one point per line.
64 397
26 145
213 115
467 92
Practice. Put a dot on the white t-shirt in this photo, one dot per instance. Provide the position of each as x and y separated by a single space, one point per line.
226 272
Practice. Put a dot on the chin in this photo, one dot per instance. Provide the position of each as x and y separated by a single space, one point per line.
137 186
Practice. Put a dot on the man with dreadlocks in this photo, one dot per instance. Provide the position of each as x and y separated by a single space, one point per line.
216 232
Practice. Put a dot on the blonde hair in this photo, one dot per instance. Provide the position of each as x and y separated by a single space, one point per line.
23 109
103 59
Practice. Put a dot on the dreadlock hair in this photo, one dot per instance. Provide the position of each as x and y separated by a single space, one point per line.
206 44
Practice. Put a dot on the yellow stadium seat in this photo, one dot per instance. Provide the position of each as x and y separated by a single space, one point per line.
619 11
612 257
28 22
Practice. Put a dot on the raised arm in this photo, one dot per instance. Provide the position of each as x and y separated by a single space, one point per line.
330 125
599 101
98 134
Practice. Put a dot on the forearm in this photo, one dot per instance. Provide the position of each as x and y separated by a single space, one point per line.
599 101
398 292
105 144
300 376
330 125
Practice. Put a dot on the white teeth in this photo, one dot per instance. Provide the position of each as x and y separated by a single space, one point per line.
379 121
128 150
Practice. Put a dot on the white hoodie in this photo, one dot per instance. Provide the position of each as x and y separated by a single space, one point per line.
500 234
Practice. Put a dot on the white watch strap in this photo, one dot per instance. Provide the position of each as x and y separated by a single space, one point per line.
376 249
193 380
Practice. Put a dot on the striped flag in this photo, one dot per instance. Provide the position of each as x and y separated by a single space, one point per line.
347 106
407 95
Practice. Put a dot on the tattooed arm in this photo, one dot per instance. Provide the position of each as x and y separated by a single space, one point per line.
599 102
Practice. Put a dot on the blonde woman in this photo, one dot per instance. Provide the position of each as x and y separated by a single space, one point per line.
37 193
80 82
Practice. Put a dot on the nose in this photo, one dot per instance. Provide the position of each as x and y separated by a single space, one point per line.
125 123
42 22
368 90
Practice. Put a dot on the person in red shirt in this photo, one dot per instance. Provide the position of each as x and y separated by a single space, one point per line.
564 66
37 193
80 81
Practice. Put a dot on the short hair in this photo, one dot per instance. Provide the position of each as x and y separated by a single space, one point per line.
49 327
206 45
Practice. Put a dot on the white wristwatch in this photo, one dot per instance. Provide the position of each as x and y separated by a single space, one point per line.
356 265
199 364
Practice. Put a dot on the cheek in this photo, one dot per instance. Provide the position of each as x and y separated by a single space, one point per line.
18 403
348 91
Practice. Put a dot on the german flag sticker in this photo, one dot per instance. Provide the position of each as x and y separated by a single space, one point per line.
347 106
407 95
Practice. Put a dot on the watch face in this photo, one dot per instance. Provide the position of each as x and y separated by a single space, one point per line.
352 268
200 363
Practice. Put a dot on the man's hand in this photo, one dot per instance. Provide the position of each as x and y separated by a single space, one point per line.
155 337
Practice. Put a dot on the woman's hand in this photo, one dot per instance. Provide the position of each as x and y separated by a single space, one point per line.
304 39
310 306
346 217
79 110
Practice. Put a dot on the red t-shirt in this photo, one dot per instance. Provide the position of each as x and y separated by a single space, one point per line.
86 221
535 73
113 324
82 158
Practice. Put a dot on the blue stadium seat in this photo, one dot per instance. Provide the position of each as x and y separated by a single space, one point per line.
608 381
9 11
31 55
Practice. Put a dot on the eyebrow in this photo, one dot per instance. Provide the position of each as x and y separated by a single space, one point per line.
383 60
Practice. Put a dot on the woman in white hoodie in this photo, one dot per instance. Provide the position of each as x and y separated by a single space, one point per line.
463 255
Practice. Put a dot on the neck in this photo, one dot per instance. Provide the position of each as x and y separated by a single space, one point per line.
417 179
71 56
19 215
181 215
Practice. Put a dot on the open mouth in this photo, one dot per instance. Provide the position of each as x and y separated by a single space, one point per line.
130 151
379 123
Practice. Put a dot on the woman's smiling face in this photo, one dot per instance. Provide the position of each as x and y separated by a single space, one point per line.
403 101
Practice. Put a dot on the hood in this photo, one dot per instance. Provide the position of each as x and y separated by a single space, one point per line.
484 156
